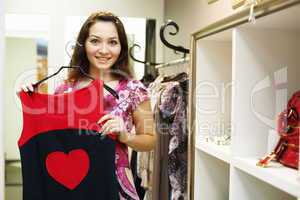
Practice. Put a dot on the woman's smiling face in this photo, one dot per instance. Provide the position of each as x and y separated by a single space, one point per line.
102 46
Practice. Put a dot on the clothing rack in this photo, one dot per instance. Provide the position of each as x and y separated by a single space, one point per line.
174 67
172 63
169 72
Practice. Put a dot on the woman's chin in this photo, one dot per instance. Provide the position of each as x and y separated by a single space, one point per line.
103 66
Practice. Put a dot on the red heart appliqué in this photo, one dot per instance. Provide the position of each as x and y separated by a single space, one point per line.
68 169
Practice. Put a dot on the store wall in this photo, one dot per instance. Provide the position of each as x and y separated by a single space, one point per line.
191 16
1 100
59 9
13 67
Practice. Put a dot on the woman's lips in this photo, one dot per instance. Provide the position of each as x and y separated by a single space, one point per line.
102 60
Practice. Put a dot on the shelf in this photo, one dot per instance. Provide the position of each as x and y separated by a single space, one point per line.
276 175
216 174
221 152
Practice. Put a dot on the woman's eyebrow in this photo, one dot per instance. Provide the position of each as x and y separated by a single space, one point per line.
100 37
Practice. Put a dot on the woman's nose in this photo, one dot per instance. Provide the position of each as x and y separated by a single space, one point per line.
103 48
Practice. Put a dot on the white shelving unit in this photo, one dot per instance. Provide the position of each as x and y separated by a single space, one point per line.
213 116
244 78
277 175
221 152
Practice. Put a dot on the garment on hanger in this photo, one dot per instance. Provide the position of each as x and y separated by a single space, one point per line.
106 87
131 94
136 178
171 128
145 160
62 154
145 171
160 185
175 106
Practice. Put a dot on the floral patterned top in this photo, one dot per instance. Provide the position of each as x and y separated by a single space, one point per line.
131 94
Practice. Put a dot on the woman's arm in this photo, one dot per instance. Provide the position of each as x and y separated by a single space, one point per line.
145 137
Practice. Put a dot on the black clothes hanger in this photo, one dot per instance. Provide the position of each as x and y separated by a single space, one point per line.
171 46
147 79
182 79
110 90
178 77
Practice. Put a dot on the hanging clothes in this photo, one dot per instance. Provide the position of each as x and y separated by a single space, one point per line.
144 163
145 171
136 179
62 154
170 164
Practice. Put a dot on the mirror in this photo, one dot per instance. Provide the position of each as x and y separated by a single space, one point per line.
30 50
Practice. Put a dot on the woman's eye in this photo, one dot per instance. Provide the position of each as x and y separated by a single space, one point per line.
94 41
113 42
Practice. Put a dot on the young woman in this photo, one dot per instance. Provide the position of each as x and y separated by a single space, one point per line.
102 52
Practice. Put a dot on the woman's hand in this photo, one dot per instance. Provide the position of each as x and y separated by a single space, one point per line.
26 88
144 138
114 125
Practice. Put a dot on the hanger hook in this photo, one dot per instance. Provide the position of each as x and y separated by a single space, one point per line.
139 61
131 53
165 42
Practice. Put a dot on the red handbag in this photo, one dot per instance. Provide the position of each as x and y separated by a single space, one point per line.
287 149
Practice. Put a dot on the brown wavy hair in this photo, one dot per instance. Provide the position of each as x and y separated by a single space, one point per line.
120 69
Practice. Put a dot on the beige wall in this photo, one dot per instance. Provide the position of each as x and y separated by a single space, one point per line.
1 100
192 15
14 49
128 8
20 55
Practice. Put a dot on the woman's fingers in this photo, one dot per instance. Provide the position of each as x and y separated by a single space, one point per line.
24 88
112 124
109 126
31 87
27 88
104 118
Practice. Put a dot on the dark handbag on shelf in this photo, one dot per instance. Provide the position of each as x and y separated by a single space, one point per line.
287 149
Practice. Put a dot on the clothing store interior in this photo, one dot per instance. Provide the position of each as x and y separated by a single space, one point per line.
149 100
